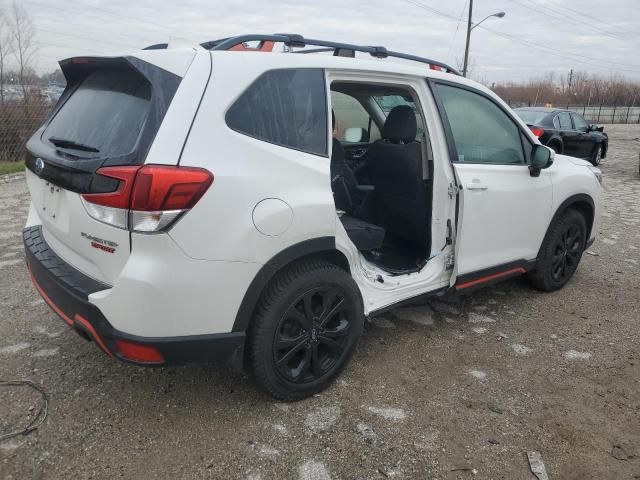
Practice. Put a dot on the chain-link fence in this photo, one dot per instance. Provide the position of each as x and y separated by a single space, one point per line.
597 113
18 121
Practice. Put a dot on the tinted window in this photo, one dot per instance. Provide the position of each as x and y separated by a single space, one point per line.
531 116
107 112
285 107
349 114
564 120
579 122
483 133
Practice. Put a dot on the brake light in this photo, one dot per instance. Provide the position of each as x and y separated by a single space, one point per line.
149 198
537 131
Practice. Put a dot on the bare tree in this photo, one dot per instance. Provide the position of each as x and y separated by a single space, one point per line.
23 33
6 47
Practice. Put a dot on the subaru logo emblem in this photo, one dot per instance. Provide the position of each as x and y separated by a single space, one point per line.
39 166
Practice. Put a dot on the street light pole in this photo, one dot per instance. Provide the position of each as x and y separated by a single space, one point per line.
471 26
466 48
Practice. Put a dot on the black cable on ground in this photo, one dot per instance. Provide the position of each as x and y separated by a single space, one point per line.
40 417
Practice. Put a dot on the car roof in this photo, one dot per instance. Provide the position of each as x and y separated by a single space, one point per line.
542 110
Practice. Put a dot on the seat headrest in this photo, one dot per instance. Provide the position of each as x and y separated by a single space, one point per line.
400 125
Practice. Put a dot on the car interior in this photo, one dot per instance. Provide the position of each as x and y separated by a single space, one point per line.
381 174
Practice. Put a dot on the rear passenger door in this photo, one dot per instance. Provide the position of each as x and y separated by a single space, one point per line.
503 210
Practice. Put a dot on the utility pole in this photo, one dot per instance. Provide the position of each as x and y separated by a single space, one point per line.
570 79
466 49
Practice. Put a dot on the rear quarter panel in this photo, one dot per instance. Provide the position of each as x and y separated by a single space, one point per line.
247 171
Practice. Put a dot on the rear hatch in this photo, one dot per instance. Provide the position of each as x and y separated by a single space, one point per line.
108 116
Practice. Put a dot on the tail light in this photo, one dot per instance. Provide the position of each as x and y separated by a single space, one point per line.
149 198
537 131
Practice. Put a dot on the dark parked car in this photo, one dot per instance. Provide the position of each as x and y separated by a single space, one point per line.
566 132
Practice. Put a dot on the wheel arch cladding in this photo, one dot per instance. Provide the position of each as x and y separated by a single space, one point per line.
583 204
322 248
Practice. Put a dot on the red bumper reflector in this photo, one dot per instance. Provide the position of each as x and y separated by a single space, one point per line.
139 353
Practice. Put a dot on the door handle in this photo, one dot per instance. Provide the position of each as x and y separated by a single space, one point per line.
477 186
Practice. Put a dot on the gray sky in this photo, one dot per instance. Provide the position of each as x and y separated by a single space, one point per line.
534 37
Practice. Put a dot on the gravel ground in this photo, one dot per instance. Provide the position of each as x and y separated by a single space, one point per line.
436 390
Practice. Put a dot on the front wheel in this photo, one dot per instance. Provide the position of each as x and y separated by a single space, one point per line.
307 325
561 252
597 156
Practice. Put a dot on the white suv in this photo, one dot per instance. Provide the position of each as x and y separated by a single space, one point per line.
214 203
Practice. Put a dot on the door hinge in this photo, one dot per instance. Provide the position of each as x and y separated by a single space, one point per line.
449 240
449 261
453 190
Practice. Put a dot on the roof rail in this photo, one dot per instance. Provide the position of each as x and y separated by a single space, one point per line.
339 49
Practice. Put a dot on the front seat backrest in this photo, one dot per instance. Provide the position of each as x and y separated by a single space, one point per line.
395 164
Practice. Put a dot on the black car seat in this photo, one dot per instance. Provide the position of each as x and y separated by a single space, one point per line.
395 164
364 235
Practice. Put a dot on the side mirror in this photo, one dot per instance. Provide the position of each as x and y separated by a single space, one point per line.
355 135
595 128
541 157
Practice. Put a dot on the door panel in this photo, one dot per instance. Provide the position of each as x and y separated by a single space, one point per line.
585 140
504 215
503 210
570 136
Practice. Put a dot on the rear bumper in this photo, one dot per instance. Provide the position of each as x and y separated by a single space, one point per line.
66 291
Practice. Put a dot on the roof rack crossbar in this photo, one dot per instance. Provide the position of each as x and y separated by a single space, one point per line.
293 40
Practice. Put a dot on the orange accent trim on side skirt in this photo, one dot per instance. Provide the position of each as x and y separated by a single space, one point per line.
488 278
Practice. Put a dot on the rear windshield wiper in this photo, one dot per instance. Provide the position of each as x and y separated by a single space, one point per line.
63 143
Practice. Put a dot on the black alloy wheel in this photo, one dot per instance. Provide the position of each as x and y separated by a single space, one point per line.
306 327
560 253
312 335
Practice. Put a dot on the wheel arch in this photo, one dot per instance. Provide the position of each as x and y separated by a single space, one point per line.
580 202
322 248
556 141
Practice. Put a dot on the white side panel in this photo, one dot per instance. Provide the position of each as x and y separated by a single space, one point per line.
504 213
247 171
175 126
162 292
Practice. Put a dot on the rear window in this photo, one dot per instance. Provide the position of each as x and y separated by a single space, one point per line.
106 112
531 117
287 107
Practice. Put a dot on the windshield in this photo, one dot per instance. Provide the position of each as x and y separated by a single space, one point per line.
106 112
532 117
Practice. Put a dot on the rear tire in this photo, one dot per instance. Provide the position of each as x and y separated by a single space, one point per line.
307 325
561 252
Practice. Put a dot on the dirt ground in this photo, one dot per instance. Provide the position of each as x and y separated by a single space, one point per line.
462 389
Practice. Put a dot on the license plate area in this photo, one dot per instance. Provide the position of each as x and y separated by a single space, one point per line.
51 196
